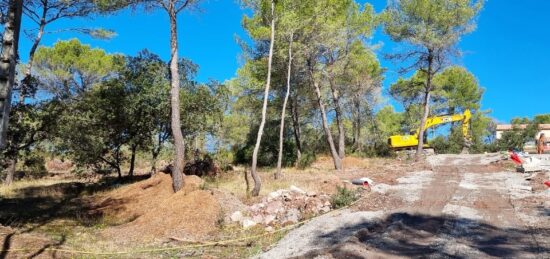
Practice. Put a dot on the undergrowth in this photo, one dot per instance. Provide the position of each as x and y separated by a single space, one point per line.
343 197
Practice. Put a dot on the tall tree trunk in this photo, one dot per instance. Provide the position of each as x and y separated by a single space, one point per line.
8 62
339 120
179 142
296 128
357 124
426 104
283 112
255 176
10 171
132 161
119 173
335 157
154 162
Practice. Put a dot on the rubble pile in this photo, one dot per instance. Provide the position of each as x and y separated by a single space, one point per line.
283 207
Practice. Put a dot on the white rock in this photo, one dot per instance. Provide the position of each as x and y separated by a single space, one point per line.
248 223
297 190
273 195
269 229
237 216
325 209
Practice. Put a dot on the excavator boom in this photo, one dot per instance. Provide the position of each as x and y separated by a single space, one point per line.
409 141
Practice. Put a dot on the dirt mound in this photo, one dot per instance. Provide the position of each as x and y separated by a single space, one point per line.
129 202
192 216
150 210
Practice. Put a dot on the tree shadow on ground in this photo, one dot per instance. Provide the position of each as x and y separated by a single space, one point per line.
36 206
39 205
418 235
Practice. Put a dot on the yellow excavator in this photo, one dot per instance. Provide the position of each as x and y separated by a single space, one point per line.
399 142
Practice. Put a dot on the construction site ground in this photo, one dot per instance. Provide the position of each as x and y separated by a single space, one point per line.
464 206
449 206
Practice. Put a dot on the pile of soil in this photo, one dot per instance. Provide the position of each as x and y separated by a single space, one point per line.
149 210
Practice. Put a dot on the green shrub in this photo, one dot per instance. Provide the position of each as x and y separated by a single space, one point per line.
343 197
379 148
35 165
306 160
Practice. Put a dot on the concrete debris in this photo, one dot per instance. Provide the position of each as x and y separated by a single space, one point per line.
237 216
248 223
283 207
296 189
532 163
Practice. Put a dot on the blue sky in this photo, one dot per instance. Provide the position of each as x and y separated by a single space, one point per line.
508 53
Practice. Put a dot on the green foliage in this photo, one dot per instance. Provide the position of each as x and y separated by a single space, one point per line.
306 160
343 197
435 24
542 119
70 68
514 139
269 148
35 165
389 121
453 144
379 148
131 111
458 90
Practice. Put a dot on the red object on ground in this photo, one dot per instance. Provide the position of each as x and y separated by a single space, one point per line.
547 183
516 158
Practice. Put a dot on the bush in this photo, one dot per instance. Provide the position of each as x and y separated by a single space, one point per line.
343 197
35 165
225 159
306 160
378 149
440 145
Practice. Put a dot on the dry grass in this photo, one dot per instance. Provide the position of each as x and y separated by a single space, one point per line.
13 190
142 206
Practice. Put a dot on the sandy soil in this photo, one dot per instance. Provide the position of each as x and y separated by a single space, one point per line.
467 206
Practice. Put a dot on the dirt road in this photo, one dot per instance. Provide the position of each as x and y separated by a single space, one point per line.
463 208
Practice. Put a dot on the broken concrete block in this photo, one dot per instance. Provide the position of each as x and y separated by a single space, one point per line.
237 216
248 223
297 190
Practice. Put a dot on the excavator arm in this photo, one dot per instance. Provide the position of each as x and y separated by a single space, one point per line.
406 141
